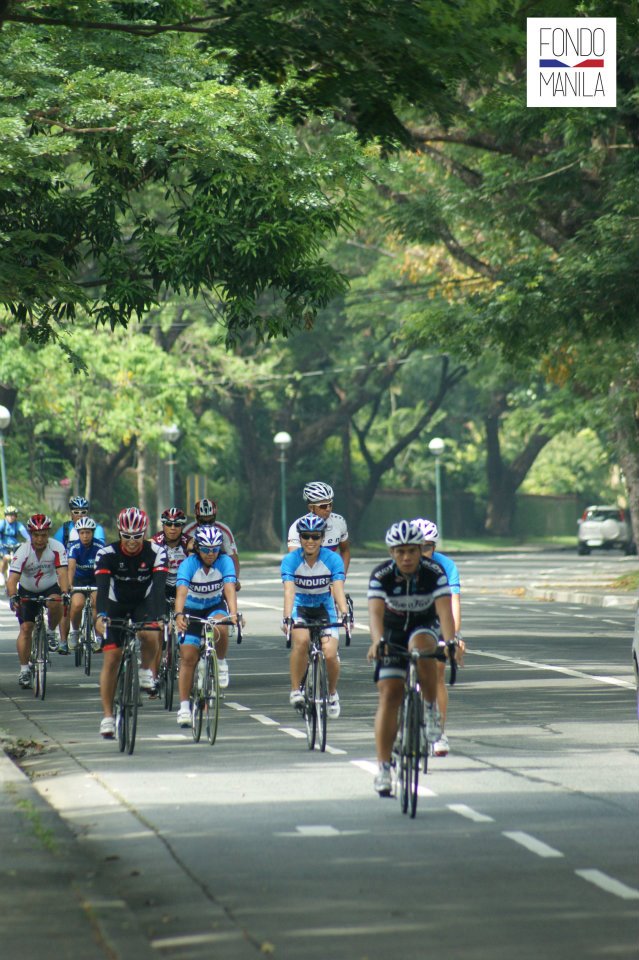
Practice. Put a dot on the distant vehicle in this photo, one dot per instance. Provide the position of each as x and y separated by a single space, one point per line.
604 527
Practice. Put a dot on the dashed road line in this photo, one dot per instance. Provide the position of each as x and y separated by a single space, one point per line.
532 843
469 813
267 721
579 674
293 732
609 884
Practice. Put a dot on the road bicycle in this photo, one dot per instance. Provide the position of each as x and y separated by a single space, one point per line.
167 673
87 635
407 751
314 685
127 687
39 661
205 691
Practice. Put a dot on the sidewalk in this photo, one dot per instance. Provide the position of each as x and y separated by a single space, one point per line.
53 903
590 596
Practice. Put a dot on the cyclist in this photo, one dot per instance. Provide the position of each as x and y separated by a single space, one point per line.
66 534
431 536
319 500
175 541
308 574
407 595
206 516
130 575
82 557
38 569
10 530
205 588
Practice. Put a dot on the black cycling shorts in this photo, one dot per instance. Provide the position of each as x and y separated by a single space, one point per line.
27 612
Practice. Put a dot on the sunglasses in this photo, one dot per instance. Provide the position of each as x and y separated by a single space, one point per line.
172 523
131 536
80 513
209 549
310 536
324 506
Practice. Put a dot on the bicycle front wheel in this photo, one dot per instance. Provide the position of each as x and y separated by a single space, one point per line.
86 639
171 666
321 701
197 696
132 688
212 688
119 702
41 661
310 713
413 723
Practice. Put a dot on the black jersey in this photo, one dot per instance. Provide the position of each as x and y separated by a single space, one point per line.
409 602
128 579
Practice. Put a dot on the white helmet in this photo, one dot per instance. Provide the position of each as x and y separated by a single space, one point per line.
404 533
428 528
317 491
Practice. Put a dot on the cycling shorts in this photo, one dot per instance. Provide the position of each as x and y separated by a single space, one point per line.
27 612
193 633
394 667
120 611
325 612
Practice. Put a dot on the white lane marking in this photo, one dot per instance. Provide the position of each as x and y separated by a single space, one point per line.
193 939
609 884
531 843
336 750
267 721
614 681
469 813
235 706
105 904
359 931
615 623
172 736
294 732
425 791
319 830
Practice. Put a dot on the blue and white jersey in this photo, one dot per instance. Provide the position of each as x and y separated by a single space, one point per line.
84 562
336 532
9 533
450 569
206 584
67 534
312 584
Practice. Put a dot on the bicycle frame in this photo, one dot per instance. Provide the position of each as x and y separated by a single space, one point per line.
315 681
39 661
205 688
127 687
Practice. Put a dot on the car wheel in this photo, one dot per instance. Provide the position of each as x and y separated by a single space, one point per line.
630 549
583 550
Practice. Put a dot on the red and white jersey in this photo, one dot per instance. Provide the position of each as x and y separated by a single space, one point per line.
228 540
36 574
175 555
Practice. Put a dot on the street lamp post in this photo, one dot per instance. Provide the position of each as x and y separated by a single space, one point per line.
283 441
436 447
5 420
171 432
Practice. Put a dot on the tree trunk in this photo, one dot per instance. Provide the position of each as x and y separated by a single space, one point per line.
261 471
141 473
626 419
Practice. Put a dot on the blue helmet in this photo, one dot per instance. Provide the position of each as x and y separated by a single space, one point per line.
209 537
311 523
78 503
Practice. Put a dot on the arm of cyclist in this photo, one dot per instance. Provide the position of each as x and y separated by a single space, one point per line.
289 600
230 595
181 593
376 622
72 565
340 598
345 553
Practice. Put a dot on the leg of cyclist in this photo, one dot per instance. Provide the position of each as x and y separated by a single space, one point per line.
426 640
189 656
112 653
390 690
75 616
150 655
221 647
297 664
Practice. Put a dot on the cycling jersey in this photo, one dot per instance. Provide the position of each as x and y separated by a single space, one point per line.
84 557
67 534
450 569
128 580
38 574
336 532
229 545
312 583
408 602
9 533
205 584
175 554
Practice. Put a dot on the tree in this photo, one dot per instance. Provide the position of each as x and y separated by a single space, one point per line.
118 184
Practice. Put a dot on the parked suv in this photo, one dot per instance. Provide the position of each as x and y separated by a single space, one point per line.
605 527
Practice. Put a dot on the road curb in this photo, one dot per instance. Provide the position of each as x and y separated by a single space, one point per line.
625 602
91 904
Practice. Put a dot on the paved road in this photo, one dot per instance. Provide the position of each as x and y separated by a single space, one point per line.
525 838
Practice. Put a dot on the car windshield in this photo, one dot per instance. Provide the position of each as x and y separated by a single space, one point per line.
602 513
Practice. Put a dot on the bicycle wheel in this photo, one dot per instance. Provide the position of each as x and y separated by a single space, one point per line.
79 650
197 712
402 772
413 749
86 638
119 710
321 701
132 691
212 690
310 713
41 662
171 667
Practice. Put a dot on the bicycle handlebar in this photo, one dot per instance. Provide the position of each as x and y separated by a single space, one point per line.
415 655
301 624
221 621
